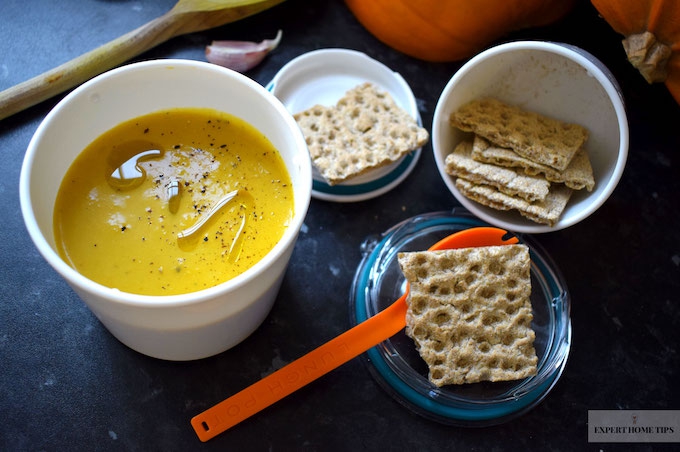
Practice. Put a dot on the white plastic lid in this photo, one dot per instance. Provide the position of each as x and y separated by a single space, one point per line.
322 77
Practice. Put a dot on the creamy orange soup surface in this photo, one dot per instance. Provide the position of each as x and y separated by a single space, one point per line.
125 209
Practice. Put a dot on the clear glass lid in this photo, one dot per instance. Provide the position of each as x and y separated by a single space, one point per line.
396 364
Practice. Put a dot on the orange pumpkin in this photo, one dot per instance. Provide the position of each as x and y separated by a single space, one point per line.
450 30
652 37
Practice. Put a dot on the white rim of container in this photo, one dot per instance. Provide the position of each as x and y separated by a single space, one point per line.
596 69
149 301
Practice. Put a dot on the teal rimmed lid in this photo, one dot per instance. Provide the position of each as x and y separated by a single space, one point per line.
395 363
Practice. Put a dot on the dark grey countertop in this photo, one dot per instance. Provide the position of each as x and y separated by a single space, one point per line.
67 384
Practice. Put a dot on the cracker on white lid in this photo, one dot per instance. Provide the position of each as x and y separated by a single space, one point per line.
364 131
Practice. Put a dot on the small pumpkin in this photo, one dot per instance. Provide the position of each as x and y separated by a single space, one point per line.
451 30
652 37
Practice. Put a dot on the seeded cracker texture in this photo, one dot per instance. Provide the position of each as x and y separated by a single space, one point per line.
469 313
365 130
547 212
577 176
538 138
507 180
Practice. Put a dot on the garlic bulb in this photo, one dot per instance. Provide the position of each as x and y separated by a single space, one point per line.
240 55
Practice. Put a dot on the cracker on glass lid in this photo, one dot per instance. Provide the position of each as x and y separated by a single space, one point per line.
537 137
469 313
364 131
509 181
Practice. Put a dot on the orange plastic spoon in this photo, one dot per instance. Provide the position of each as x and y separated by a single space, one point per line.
332 354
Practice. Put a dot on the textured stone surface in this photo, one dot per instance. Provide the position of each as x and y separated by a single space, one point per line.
67 384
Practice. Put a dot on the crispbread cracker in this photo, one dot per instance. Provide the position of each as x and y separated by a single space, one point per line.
536 137
578 175
365 130
469 313
460 163
544 212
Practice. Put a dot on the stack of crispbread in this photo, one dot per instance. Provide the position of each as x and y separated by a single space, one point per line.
517 159
469 313
365 130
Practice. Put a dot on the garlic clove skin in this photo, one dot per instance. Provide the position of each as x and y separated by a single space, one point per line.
240 55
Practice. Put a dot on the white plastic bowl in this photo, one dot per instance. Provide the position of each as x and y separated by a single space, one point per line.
553 79
177 327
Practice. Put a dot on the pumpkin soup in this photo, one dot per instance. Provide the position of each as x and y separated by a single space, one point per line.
173 202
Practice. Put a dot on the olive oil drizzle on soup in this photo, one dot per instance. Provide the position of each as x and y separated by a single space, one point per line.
135 189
